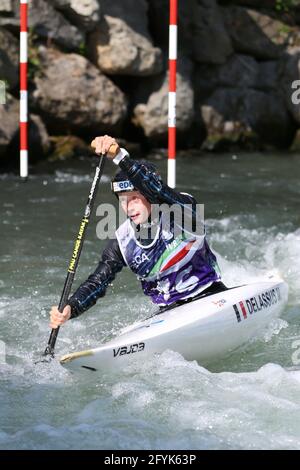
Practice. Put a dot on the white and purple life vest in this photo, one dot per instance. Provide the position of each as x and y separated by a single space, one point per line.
170 269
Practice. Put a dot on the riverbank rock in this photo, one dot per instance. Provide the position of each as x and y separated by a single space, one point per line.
9 124
50 24
201 30
121 45
6 7
151 111
72 94
100 66
268 78
117 50
241 114
240 71
11 24
290 83
132 12
68 146
9 58
251 3
85 14
225 134
38 142
38 138
258 34
209 29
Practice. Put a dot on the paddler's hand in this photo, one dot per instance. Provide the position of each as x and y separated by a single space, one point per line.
57 319
106 145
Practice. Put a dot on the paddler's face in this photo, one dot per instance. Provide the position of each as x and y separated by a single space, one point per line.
136 206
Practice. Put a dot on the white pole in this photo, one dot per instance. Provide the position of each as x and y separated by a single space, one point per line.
172 94
23 89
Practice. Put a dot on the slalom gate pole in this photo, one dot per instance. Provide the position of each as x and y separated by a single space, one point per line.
172 94
23 89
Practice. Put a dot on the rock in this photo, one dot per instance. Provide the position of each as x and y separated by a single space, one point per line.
132 12
68 146
11 24
200 23
72 94
118 50
290 83
151 113
38 139
158 17
6 7
269 118
211 42
225 135
85 14
9 58
295 147
10 15
258 34
249 111
9 124
268 76
49 24
257 4
240 71
122 44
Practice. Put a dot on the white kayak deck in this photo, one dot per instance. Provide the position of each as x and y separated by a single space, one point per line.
202 330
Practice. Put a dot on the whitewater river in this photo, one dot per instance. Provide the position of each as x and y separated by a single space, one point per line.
247 400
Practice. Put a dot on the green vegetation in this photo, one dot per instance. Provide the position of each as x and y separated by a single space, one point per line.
285 29
285 5
67 146
34 63
82 49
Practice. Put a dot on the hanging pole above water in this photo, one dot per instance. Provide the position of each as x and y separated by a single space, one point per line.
23 89
172 94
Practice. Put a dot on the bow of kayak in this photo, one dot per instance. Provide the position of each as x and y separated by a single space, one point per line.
201 330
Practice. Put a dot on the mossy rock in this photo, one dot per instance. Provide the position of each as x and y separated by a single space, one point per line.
68 146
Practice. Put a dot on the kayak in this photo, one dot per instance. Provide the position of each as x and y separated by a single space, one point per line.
203 330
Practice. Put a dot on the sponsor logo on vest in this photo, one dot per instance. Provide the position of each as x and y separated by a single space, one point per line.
139 259
257 303
133 348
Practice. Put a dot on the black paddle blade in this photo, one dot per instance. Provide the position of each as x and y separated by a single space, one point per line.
49 351
47 356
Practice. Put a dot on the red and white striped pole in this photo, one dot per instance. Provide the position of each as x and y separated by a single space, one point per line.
172 94
23 89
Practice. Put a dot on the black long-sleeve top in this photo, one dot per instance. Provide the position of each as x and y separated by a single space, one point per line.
112 261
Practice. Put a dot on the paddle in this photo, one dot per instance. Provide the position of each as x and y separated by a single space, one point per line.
49 351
